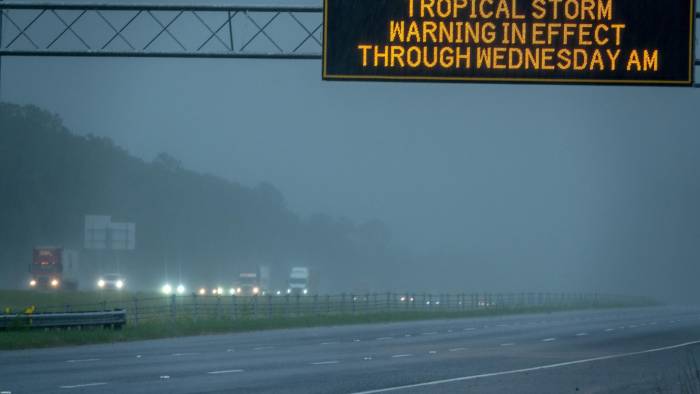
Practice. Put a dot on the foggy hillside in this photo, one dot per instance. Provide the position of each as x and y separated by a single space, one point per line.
189 226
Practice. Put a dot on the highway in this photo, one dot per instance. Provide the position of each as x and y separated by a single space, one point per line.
608 351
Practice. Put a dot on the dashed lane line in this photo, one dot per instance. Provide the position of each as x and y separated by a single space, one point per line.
83 360
78 386
225 371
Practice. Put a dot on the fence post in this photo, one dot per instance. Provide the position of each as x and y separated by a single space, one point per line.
172 307
269 306
298 307
367 303
286 305
328 304
136 311
195 305
317 311
342 303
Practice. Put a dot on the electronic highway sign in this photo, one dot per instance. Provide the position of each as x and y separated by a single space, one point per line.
640 42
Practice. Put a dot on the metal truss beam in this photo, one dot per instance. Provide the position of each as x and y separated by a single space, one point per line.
160 30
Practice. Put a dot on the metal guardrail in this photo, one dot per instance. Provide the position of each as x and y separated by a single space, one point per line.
107 319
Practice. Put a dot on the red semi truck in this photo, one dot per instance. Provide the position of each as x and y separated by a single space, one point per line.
53 268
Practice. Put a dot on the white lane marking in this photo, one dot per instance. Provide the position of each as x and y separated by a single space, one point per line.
401 355
77 386
5 392
263 348
330 343
609 329
225 371
384 338
407 335
432 352
549 339
581 334
83 360
531 369
138 356
469 329
184 354
367 358
457 349
430 333
326 362
356 340
165 376
508 344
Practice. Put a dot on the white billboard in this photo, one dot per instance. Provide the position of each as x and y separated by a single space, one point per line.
103 234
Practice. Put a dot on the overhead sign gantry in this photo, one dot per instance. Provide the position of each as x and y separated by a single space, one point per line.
640 42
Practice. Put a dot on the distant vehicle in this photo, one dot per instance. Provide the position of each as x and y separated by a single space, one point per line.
111 282
54 268
254 283
301 281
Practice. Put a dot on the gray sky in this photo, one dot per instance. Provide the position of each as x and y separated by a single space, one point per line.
572 178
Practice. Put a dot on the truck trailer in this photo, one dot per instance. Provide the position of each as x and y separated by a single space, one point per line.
54 268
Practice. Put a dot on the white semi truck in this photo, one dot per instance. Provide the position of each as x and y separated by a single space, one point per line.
301 281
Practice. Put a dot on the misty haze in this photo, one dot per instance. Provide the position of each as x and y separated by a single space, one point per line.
246 226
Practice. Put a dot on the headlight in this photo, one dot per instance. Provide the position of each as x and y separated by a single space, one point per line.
101 283
278 292
32 283
219 291
166 289
54 282
256 290
202 291
239 290
289 291
180 289
119 284
232 291
305 291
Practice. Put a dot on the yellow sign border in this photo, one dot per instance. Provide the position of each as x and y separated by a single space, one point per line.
688 82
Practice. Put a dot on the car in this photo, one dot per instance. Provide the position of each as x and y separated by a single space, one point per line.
111 282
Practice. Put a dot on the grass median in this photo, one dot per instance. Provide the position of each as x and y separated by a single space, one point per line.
168 328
